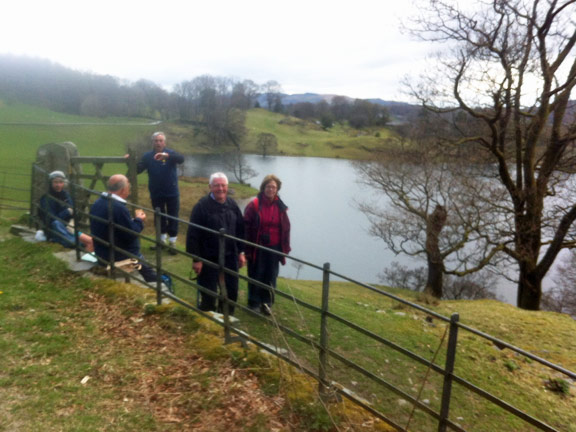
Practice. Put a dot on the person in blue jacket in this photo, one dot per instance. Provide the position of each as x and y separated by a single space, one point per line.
161 164
55 213
118 190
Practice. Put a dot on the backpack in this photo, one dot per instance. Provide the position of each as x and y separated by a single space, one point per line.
167 280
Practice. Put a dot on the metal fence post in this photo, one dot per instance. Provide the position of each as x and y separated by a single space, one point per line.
223 296
448 372
76 219
157 227
323 355
133 177
32 217
111 246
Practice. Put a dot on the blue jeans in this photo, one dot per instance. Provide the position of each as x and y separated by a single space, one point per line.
67 239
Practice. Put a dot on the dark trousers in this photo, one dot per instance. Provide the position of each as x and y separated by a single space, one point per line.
208 278
171 207
264 269
147 272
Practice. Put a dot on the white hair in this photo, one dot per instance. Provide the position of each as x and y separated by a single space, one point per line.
157 134
217 175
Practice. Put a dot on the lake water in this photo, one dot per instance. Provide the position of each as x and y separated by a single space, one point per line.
326 225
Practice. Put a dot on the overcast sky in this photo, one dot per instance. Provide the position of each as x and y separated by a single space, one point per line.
351 48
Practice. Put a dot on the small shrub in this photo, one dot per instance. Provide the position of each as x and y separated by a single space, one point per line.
558 385
511 365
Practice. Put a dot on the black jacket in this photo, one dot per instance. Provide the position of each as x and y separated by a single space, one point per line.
211 214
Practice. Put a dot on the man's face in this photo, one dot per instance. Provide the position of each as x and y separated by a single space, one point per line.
219 189
159 143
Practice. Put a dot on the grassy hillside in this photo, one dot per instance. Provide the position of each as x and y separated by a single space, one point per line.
300 138
15 112
55 331
24 128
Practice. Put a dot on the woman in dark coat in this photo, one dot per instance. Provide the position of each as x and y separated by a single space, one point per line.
266 224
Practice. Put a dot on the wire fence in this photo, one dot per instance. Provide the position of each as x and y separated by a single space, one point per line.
421 378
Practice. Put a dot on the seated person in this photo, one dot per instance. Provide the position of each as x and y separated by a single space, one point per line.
118 190
55 205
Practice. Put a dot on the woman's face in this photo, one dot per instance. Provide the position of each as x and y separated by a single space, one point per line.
270 190
58 184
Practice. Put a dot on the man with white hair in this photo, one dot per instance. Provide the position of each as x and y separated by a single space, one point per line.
216 211
118 191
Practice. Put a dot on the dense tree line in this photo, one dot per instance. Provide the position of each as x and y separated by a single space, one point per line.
357 113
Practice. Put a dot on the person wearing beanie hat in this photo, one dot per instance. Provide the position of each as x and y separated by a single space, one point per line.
56 174
55 212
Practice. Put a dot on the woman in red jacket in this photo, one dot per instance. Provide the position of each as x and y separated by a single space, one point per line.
266 224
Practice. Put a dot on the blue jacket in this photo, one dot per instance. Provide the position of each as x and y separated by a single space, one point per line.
162 175
49 208
124 240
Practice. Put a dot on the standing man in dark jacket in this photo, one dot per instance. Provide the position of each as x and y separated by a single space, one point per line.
161 163
118 191
216 211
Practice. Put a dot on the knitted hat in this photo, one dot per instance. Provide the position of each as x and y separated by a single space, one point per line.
56 174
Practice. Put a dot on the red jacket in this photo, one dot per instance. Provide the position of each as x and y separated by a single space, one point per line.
252 226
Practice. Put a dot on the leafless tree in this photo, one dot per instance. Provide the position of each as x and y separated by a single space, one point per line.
236 162
273 91
437 210
562 296
509 67
266 142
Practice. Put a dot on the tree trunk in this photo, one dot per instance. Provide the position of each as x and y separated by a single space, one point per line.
435 223
528 245
434 283
529 289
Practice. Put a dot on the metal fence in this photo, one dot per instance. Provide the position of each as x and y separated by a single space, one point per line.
13 186
362 358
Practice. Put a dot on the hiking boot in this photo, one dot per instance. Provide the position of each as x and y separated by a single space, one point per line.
172 249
